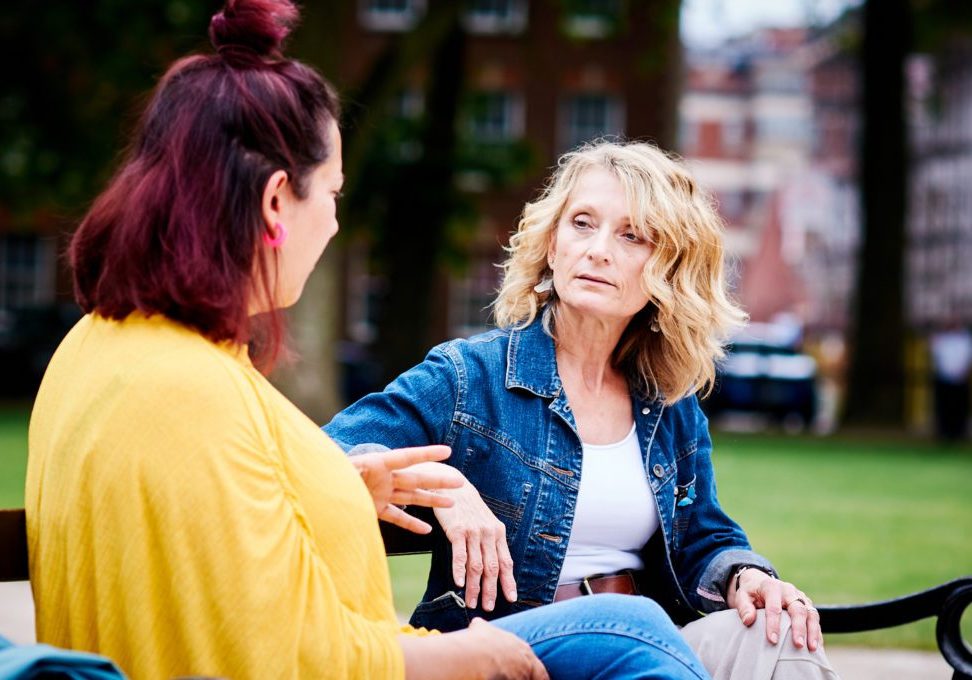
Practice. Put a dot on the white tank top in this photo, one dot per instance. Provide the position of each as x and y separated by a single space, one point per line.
615 514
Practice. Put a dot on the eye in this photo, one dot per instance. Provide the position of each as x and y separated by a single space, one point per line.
632 237
582 222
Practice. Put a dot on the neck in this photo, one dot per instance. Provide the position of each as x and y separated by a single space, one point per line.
585 346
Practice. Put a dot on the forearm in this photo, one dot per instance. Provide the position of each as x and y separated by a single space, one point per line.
434 657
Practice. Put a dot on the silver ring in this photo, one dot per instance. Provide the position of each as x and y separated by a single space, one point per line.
797 599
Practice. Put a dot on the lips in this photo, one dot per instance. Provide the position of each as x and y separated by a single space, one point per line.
594 279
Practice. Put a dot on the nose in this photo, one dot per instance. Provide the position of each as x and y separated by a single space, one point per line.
599 249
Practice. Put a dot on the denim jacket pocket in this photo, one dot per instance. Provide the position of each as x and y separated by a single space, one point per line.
509 510
445 613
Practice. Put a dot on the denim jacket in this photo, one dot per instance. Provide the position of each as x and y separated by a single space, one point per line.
497 400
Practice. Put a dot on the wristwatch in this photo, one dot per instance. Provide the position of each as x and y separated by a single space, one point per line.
737 573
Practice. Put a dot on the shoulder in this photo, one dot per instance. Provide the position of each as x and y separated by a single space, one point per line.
685 421
484 352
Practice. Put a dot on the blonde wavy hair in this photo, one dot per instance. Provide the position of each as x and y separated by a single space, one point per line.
684 277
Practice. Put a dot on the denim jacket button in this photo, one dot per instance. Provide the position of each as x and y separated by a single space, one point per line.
645 411
567 408
658 470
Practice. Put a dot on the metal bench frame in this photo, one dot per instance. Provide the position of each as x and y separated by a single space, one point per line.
946 602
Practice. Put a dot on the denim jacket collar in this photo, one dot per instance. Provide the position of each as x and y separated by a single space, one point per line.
531 361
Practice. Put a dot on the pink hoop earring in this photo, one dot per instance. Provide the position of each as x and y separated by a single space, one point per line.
278 238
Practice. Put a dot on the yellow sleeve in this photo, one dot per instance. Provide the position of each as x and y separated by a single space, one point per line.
229 577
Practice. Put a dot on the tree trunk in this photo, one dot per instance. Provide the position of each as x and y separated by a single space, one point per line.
421 203
876 392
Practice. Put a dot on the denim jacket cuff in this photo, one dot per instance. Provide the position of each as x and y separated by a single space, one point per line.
711 589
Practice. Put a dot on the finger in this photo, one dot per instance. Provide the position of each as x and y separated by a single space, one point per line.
459 559
410 478
814 633
490 572
537 670
507 582
773 598
798 622
426 499
474 567
400 518
745 608
401 458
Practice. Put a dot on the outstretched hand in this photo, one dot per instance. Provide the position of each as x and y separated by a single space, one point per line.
394 478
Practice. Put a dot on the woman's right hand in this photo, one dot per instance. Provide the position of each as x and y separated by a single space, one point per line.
480 553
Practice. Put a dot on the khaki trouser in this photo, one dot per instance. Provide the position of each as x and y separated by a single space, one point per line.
731 651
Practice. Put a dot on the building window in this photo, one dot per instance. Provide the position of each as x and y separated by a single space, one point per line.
593 19
471 296
588 116
390 15
733 136
27 271
495 16
688 136
496 117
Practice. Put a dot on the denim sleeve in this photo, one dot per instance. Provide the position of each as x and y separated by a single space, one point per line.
714 544
416 409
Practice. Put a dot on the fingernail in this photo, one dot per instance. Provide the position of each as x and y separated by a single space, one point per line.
774 638
798 640
511 596
472 603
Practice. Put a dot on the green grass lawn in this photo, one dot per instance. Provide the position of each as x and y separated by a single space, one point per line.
847 519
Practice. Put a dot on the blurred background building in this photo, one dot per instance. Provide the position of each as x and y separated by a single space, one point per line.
456 111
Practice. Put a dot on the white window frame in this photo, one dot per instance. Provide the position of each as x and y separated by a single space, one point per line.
28 285
489 23
387 20
514 118
614 125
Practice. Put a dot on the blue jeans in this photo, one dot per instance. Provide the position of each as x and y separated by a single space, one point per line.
605 636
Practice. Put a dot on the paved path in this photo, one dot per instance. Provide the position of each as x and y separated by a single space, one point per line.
853 663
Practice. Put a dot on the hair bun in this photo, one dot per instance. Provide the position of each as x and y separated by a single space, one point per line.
258 27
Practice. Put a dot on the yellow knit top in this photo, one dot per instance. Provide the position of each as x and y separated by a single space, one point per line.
184 518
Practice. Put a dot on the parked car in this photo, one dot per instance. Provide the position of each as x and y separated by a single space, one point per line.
763 375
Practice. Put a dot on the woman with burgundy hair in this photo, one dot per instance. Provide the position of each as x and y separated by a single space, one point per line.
183 517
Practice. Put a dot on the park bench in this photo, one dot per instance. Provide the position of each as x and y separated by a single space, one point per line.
946 602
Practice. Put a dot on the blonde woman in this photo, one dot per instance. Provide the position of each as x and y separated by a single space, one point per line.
577 426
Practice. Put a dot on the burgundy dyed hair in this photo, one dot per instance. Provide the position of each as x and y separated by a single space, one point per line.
178 229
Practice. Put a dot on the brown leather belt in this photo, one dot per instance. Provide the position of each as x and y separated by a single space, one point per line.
623 583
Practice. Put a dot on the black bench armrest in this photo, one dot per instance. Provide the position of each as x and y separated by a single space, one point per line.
13 545
947 602
400 541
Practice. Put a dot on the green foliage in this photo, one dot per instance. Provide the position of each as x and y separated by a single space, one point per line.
74 72
13 455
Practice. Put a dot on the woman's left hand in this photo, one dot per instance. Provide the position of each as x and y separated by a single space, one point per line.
396 478
758 590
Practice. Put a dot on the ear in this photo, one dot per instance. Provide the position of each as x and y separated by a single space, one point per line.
552 247
276 195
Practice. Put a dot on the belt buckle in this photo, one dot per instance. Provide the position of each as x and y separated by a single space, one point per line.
585 586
